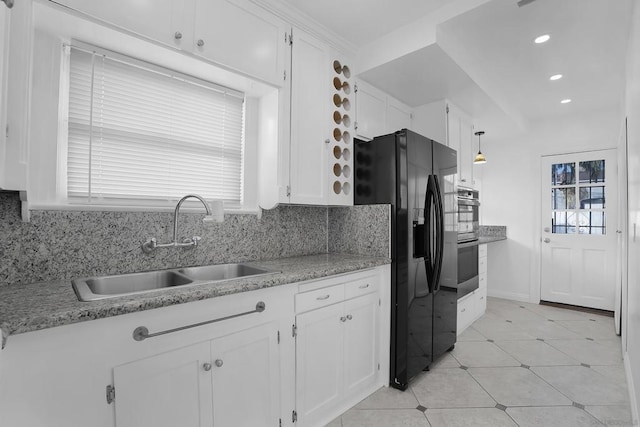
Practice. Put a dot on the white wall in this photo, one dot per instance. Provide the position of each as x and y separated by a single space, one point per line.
511 193
631 334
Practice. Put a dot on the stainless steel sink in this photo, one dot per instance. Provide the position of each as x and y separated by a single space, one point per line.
97 288
222 272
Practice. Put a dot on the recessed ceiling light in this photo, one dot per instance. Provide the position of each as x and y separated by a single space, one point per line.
543 38
565 101
555 77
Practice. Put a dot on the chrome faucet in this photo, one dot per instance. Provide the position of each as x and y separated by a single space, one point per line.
152 244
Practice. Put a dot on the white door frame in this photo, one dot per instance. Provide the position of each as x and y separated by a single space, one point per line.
536 287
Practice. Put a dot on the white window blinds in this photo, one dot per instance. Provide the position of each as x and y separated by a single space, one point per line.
138 133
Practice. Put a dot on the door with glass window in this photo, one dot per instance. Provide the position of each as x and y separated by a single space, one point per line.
579 220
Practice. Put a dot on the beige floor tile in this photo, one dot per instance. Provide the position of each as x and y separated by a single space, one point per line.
389 398
589 352
590 329
517 387
616 415
450 388
583 385
547 330
555 313
445 361
562 416
335 423
616 373
471 334
501 330
536 353
465 417
384 418
482 354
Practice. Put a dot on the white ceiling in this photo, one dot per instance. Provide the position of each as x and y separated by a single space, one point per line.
361 21
485 59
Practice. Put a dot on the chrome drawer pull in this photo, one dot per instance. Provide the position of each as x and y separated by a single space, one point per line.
363 286
322 298
141 333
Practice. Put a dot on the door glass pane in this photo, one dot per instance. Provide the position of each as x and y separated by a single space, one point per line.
591 198
591 223
592 171
563 174
564 198
563 222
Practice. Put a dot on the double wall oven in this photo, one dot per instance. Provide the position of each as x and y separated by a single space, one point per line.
468 236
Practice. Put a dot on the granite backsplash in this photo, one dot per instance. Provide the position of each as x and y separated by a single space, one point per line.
61 245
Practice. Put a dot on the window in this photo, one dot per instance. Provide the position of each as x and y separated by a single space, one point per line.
138 133
578 197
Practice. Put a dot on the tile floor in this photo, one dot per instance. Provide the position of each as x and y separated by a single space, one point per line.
519 365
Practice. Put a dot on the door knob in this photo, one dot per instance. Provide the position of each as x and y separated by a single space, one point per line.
349 317
177 35
200 43
219 362
547 240
547 229
206 366
343 319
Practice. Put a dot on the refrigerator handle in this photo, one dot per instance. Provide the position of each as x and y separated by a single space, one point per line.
439 235
429 258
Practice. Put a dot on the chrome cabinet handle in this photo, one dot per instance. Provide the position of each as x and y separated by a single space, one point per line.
219 363
200 43
547 240
206 367
177 35
343 319
324 297
363 286
349 317
463 310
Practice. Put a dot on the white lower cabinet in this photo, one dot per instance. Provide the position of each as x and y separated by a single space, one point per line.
216 365
337 349
472 306
229 381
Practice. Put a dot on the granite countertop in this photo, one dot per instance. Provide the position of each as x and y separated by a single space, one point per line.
25 308
492 233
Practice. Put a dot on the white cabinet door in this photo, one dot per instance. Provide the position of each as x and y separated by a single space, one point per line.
460 138
170 389
4 54
167 21
246 383
242 36
319 362
310 126
370 111
398 116
360 342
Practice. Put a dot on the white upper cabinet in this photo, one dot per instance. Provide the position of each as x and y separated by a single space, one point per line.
371 111
310 125
4 52
398 115
166 21
446 123
243 36
377 113
233 33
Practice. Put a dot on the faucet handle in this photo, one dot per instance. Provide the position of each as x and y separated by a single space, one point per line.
150 245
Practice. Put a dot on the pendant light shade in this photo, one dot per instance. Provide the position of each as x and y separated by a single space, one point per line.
479 157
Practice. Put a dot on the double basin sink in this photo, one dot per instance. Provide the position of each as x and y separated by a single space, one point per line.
102 287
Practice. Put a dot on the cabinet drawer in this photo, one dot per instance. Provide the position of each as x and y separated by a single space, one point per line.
482 280
481 302
482 250
466 312
319 298
482 266
360 287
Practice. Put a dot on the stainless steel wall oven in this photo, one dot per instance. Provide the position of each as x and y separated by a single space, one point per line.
468 236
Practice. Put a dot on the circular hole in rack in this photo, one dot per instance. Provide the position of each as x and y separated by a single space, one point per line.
337 187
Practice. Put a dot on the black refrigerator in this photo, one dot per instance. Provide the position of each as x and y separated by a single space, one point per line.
416 176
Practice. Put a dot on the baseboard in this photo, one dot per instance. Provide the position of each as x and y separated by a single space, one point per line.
633 402
515 296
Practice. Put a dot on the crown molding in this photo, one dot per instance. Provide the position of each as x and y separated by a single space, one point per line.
303 21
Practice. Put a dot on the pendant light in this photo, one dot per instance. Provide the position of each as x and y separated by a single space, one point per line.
479 157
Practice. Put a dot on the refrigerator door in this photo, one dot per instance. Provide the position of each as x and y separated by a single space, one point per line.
445 298
418 308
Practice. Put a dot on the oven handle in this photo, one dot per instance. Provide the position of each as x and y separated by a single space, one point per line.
468 202
468 244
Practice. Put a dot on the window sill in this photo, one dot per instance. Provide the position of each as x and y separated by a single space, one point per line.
117 208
